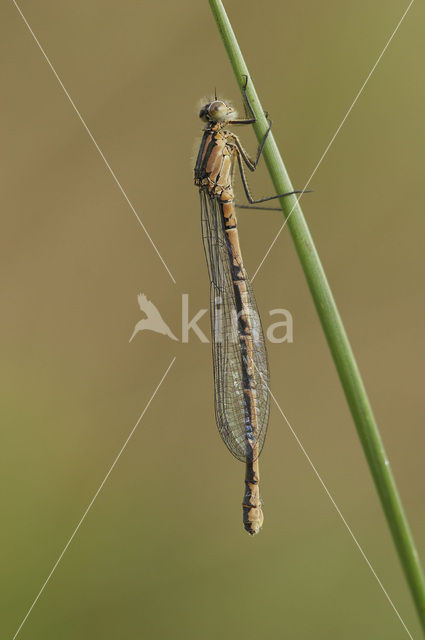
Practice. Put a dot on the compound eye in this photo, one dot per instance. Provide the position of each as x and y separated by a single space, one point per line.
217 110
215 107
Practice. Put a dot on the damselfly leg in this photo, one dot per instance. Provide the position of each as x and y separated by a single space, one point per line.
243 157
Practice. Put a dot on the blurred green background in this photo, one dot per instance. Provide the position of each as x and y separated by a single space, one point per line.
162 553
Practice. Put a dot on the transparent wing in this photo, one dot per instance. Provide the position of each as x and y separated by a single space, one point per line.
232 414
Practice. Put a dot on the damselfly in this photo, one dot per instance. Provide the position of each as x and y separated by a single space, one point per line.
241 372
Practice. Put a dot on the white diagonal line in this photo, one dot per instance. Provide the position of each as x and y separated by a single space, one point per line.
347 526
94 142
93 499
333 137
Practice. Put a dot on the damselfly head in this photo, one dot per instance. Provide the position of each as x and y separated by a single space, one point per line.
216 111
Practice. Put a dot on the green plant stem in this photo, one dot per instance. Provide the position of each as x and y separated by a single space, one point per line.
334 330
